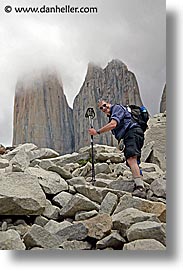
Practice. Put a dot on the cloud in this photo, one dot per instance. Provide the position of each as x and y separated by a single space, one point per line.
130 30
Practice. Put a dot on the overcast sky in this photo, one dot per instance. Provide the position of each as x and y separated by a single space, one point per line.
130 30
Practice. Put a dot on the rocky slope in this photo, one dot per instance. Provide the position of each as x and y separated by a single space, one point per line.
115 83
155 141
41 113
47 200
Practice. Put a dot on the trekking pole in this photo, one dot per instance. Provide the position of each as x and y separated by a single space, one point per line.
90 114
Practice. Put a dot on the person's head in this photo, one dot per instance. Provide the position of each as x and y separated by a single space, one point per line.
104 106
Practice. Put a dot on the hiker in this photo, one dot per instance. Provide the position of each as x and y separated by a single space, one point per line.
124 128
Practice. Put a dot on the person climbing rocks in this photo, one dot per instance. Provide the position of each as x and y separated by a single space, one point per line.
124 128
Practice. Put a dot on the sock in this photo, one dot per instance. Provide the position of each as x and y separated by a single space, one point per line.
138 162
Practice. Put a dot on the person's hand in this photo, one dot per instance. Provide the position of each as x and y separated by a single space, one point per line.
92 132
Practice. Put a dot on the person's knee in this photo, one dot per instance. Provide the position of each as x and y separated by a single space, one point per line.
131 160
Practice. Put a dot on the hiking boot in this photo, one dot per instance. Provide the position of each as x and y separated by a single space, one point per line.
139 184
139 189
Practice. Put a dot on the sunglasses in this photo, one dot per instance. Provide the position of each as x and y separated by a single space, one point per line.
103 106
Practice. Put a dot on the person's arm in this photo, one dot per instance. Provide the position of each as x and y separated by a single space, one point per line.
106 128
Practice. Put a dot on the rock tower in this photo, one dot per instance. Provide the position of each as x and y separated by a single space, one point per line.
42 114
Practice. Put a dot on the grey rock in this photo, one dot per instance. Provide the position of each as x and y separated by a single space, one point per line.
72 190
44 163
21 229
20 161
97 194
146 150
139 193
3 170
77 180
35 163
21 194
149 194
91 192
3 163
76 231
105 176
124 219
54 227
42 153
40 237
102 168
127 201
40 220
123 185
50 181
157 133
147 230
72 158
158 186
61 171
76 172
83 215
78 203
158 199
51 211
109 203
83 171
113 157
163 101
102 182
62 199
27 147
113 240
146 244
76 245
119 169
4 226
149 177
151 170
10 240
98 148
71 166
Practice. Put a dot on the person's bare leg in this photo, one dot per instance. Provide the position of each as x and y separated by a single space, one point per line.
132 162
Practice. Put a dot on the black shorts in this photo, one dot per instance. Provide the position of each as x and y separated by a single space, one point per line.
133 141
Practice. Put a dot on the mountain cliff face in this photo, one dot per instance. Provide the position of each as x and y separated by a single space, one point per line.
163 101
114 83
41 113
